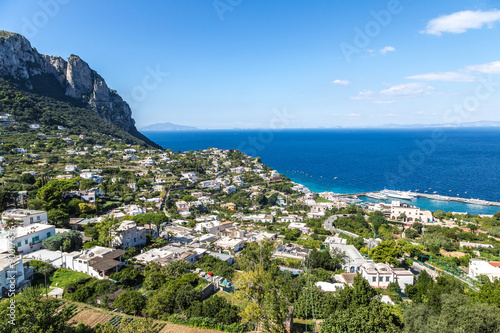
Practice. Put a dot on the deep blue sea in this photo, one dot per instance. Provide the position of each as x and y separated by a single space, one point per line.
463 162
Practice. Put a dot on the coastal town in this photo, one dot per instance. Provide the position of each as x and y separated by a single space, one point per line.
77 211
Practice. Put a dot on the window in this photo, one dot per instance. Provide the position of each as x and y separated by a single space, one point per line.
25 242
48 234
38 218
387 279
381 278
374 279
31 220
18 244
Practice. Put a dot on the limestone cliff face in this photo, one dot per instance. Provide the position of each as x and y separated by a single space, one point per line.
21 64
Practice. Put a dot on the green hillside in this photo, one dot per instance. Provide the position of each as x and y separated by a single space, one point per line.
28 108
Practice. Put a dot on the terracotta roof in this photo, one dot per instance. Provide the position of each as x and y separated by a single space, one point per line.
494 263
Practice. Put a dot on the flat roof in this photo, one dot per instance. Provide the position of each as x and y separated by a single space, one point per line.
102 264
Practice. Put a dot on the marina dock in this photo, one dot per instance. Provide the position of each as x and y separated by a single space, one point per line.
431 197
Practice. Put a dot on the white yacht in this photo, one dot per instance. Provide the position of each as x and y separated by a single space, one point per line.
378 196
397 194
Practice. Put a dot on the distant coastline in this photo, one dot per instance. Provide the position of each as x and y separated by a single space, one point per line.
166 127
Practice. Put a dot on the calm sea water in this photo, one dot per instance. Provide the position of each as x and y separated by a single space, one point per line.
454 162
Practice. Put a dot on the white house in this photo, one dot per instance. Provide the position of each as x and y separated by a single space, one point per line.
35 126
229 189
25 217
209 184
491 269
380 275
91 176
70 168
129 234
412 213
189 175
234 244
12 275
353 260
300 226
98 262
26 239
20 150
181 205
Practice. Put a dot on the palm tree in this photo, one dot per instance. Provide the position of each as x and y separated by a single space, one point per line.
45 269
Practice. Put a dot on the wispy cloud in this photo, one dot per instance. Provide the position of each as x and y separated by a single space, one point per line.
386 49
489 68
460 22
342 82
400 90
444 76
465 74
354 115
383 102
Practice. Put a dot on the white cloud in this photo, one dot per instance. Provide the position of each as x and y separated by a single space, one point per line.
354 115
444 76
392 115
407 89
365 94
386 49
342 82
400 90
489 68
464 74
383 102
460 22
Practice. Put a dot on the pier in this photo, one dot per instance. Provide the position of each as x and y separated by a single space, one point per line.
427 196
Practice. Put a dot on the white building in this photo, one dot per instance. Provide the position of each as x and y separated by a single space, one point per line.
129 234
412 213
353 260
91 176
70 168
12 275
27 239
25 217
210 184
229 189
189 175
380 275
98 262
234 244
300 226
478 267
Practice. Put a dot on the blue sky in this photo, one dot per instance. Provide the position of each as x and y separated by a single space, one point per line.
280 63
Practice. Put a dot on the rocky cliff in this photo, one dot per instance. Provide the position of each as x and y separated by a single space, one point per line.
74 80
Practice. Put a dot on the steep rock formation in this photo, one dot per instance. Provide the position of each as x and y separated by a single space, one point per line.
25 67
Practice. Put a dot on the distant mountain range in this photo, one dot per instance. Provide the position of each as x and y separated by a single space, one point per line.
482 123
167 127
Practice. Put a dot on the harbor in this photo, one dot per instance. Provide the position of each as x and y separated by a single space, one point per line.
428 201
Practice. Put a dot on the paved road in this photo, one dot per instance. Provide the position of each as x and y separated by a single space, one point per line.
328 225
416 268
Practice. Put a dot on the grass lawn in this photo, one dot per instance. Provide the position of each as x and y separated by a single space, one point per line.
322 200
63 277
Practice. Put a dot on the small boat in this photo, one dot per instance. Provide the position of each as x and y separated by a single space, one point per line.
478 202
